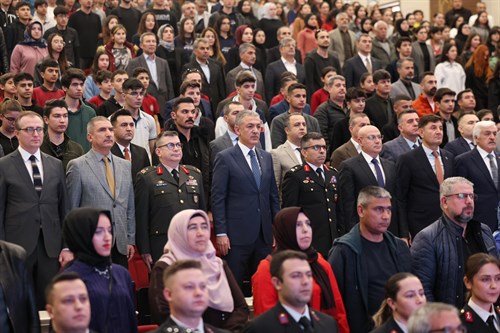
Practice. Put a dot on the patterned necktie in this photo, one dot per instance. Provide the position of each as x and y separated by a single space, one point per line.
494 169
439 167
37 178
255 167
175 174
126 154
378 171
110 178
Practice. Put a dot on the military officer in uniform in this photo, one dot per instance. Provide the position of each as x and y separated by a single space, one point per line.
161 192
313 186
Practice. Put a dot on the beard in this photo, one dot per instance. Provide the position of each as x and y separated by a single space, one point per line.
463 217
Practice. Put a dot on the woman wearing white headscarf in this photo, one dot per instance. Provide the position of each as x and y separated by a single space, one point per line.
270 23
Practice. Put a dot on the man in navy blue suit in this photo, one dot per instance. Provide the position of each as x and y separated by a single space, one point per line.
244 198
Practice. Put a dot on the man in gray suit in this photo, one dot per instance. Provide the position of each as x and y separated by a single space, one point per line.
344 47
101 180
405 84
408 138
248 57
33 203
351 148
288 154
160 85
230 138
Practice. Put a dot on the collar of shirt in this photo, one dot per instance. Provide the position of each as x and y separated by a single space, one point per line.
169 169
428 151
356 145
484 153
411 143
149 57
245 66
369 159
294 147
314 167
483 314
402 326
179 323
245 149
26 155
233 136
100 156
296 315
363 58
122 148
202 64
286 62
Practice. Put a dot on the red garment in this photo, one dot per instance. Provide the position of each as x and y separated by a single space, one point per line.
422 106
319 96
306 42
42 95
276 99
97 100
265 296
150 105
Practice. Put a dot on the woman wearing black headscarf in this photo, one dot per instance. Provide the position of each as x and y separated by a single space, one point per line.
463 33
402 30
30 51
88 233
292 231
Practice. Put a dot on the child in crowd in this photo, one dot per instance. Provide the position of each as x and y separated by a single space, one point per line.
149 103
103 79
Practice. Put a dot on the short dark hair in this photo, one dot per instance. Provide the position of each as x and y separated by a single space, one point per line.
9 105
40 3
188 84
6 77
48 62
102 75
140 70
191 70
289 115
60 10
460 94
433 30
481 113
424 74
243 77
178 266
121 112
132 84
441 92
118 72
22 4
22 77
166 134
181 100
287 78
364 76
64 276
380 74
52 104
429 118
294 86
327 70
227 107
401 40
353 93
310 136
401 97
402 113
70 74
280 257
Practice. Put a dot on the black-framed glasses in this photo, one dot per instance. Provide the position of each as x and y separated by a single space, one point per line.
449 329
31 130
10 119
463 196
171 146
316 147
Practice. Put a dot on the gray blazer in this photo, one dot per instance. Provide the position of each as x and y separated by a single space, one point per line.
218 145
337 45
284 159
418 57
391 150
87 187
165 90
398 88
231 80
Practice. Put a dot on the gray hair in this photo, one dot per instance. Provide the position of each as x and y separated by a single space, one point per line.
199 40
369 192
287 40
446 187
243 114
245 46
335 78
400 62
481 125
91 123
341 14
144 35
419 321
378 24
355 116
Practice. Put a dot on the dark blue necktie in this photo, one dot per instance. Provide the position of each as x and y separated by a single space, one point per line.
255 167
378 171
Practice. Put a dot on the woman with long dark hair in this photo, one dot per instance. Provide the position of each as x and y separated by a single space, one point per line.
472 42
463 32
481 26
449 72
306 41
146 24
226 38
213 42
244 7
186 37
101 62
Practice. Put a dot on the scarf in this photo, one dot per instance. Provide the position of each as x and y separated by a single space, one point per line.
29 40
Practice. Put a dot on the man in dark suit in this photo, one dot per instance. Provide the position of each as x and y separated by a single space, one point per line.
230 138
408 138
366 169
465 142
160 84
123 131
275 69
361 63
186 305
34 203
419 173
445 103
351 148
379 107
293 294
214 84
274 54
390 130
244 199
313 186
161 192
480 166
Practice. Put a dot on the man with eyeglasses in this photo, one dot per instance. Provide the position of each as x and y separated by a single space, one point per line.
366 169
441 250
162 191
363 259
436 318
313 186
34 203
480 166
9 111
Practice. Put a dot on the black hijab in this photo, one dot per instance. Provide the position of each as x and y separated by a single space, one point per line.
78 230
284 231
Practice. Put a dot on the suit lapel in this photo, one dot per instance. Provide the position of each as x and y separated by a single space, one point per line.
427 167
226 139
478 160
402 143
23 171
98 170
363 165
351 149
241 161
464 144
291 154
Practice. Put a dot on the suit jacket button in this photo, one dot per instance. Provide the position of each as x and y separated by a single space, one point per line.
180 191
327 200
114 205
181 201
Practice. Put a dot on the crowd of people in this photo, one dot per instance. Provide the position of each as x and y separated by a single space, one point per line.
337 162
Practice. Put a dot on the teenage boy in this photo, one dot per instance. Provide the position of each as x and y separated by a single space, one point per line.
49 71
103 79
149 103
117 101
24 86
7 86
9 111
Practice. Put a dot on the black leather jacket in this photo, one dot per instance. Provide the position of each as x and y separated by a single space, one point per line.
17 289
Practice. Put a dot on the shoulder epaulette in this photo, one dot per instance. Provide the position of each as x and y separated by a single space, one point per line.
147 170
190 167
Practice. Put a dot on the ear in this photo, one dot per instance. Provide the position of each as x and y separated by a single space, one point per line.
390 303
50 311
276 283
46 120
361 211
172 115
237 130
467 283
167 293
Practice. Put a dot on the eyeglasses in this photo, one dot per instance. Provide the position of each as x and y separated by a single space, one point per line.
462 196
10 119
448 329
171 146
31 130
373 137
316 147
137 93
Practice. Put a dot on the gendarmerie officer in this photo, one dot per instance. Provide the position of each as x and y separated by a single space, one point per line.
313 186
161 192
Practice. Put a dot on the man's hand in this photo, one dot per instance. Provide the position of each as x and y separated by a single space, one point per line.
130 252
148 260
65 257
223 245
